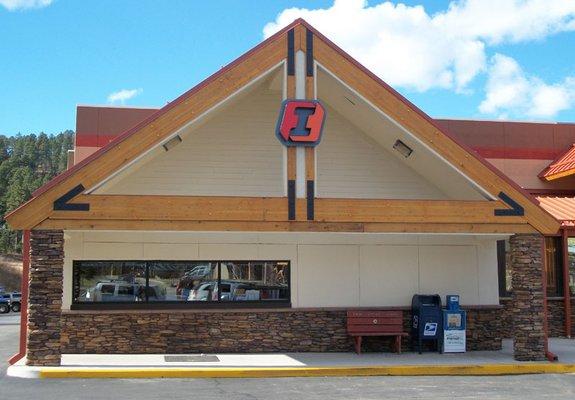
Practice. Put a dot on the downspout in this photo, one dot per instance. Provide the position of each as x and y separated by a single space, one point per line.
550 356
566 292
24 301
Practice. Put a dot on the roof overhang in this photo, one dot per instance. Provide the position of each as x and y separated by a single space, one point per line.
514 206
562 167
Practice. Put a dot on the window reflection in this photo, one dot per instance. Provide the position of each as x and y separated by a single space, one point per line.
243 281
109 281
180 281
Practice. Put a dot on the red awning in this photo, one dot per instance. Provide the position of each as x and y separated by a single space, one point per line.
562 166
562 208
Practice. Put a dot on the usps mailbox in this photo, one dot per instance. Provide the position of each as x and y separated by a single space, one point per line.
454 326
427 324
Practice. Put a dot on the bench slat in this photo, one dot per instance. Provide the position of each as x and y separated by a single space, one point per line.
374 328
375 321
375 314
352 334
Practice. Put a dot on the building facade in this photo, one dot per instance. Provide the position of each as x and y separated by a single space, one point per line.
252 212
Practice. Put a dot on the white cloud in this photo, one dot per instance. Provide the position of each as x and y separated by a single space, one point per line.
13 5
121 96
408 47
512 92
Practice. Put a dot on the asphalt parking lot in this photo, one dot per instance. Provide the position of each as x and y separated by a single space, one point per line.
503 387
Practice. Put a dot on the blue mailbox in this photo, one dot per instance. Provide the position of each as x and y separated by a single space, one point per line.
426 321
454 326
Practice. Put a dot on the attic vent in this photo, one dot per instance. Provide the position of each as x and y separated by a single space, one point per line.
404 149
173 142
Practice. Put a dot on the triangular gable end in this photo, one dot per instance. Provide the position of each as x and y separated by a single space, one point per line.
561 167
239 73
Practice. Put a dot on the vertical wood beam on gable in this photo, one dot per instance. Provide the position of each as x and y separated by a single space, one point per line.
292 38
310 159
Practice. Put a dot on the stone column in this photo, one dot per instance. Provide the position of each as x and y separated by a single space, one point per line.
527 296
45 297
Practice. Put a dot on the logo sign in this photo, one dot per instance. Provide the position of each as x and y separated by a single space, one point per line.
300 122
430 329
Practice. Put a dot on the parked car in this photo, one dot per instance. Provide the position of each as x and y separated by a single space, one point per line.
207 290
4 303
16 301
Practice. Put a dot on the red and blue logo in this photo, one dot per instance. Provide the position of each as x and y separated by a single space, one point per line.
300 123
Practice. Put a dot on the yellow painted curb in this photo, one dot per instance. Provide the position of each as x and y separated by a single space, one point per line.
283 372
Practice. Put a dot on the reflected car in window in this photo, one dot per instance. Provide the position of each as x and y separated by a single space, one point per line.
122 292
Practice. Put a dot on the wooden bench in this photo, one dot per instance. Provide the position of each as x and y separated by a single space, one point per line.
375 323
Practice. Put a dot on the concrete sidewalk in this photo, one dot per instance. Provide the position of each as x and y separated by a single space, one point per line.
302 364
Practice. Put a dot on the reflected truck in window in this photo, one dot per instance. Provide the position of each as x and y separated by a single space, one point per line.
123 291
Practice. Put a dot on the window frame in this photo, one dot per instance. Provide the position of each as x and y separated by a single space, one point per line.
169 304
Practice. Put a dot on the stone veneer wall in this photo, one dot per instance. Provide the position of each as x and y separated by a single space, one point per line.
45 298
555 317
235 331
506 317
527 297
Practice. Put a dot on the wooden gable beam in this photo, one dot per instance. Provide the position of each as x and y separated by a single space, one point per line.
290 226
413 120
274 209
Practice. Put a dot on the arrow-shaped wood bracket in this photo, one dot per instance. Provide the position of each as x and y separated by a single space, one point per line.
515 210
61 203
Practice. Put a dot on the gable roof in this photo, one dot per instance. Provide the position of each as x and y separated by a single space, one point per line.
271 52
563 166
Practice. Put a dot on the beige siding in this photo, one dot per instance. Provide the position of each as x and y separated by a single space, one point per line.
234 153
327 270
350 165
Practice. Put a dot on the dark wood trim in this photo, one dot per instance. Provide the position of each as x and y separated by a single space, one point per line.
310 189
291 52
501 268
62 202
291 200
309 52
515 210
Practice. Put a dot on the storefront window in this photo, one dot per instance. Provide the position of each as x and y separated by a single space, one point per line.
504 267
254 281
109 281
571 252
554 265
180 281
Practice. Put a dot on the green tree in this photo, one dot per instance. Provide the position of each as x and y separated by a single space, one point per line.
26 163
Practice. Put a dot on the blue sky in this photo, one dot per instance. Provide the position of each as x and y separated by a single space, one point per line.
465 59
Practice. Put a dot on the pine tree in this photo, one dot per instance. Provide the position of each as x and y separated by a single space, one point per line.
26 163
